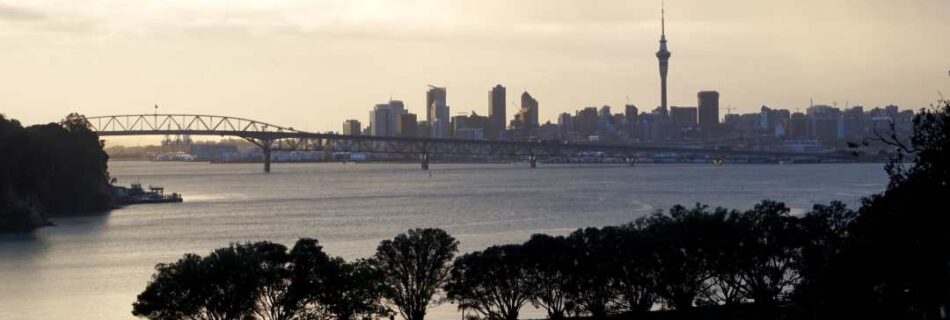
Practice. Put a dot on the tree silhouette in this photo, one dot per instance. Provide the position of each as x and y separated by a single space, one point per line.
51 169
262 280
824 232
768 251
414 266
550 267
352 290
493 282
594 260
681 248
224 285
894 262
632 274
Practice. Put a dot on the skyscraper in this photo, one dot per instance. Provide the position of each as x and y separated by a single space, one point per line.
352 127
435 96
382 120
708 109
441 121
379 121
683 116
406 125
496 111
664 56
530 105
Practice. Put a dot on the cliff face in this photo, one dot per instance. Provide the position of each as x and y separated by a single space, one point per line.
52 169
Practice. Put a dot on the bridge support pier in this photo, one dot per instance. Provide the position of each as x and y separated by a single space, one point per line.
424 161
266 148
533 161
631 160
717 161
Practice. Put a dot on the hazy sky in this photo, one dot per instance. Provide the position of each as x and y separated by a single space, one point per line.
312 64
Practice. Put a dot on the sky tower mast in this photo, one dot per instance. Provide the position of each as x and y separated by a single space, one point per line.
664 57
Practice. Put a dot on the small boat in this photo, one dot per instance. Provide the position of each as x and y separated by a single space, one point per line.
135 194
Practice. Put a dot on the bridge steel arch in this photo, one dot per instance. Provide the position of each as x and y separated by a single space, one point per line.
271 137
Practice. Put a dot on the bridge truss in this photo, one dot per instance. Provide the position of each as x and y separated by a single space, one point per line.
277 138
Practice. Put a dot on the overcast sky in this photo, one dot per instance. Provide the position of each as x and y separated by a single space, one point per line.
312 64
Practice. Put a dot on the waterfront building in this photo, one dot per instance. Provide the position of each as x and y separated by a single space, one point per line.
854 123
631 113
683 116
384 116
469 126
585 121
441 124
423 130
565 123
406 125
797 126
352 127
435 96
824 121
529 107
708 110
496 111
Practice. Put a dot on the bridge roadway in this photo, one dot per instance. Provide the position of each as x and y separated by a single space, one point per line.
276 138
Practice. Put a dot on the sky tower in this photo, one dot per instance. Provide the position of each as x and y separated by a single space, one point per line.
664 56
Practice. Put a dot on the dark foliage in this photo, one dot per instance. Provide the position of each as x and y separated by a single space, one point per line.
414 266
550 266
52 169
494 283
594 252
681 245
893 259
261 281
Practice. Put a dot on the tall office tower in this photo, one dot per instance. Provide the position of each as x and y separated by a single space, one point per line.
708 109
585 121
496 112
631 117
530 105
664 57
797 126
441 121
379 124
631 112
384 116
683 116
406 125
352 127
435 96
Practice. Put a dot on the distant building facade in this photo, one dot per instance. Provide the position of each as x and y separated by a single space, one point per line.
683 116
406 125
496 111
352 127
434 97
441 125
529 105
708 109
384 116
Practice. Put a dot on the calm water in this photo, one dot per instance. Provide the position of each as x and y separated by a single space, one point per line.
93 267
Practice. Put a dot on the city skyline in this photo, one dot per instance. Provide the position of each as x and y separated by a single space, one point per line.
568 76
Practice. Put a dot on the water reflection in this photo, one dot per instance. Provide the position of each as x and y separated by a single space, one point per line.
92 267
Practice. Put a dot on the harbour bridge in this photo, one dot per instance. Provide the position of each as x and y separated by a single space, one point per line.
271 138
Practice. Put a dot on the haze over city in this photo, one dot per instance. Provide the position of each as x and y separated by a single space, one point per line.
312 65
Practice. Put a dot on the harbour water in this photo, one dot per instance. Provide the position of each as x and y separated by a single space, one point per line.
93 267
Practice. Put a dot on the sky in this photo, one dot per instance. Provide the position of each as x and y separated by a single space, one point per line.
312 64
